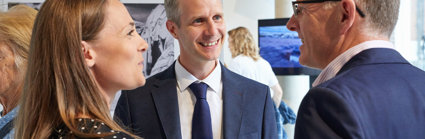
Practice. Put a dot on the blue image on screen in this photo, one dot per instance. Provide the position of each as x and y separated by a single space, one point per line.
279 46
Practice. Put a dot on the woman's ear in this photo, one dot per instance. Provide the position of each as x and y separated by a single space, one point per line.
88 53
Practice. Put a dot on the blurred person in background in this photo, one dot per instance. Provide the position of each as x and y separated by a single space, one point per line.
15 35
248 63
82 52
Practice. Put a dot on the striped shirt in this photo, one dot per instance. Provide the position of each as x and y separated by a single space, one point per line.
333 68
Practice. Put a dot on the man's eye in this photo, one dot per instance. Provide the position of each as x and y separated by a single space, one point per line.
197 20
298 11
217 17
130 33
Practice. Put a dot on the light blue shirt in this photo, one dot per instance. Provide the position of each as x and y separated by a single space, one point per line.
5 119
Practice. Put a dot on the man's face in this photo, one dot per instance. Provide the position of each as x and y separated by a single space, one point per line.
201 31
314 26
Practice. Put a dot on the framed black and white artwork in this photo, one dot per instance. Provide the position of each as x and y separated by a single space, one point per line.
150 18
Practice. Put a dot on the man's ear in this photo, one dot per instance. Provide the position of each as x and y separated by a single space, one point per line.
172 28
348 10
88 53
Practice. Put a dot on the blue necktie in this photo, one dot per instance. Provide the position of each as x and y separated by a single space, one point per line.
201 121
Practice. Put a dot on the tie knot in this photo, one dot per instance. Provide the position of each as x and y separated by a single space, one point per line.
199 89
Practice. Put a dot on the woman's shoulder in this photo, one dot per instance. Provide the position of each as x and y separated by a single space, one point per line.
90 126
243 60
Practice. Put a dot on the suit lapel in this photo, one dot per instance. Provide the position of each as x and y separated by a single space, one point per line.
165 98
232 104
164 94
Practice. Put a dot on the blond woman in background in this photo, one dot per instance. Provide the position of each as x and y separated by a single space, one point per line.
15 35
248 62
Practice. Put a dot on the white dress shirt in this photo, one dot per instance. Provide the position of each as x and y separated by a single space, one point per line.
333 68
114 103
187 99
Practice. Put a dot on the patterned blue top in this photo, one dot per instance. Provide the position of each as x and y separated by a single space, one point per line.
284 115
4 120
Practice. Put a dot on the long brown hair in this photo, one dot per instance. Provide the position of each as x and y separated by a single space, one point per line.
243 43
59 86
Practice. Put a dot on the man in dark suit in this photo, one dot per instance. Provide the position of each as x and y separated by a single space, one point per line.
366 88
167 107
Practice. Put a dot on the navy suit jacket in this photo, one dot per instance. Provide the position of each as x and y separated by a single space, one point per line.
152 111
376 95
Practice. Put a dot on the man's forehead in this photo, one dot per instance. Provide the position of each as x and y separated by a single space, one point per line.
200 8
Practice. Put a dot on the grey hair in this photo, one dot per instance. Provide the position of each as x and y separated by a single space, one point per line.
382 14
172 10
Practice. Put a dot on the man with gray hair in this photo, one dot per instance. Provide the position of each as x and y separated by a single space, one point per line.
366 88
197 97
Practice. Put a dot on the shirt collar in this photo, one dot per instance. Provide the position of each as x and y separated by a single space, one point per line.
333 68
185 78
9 116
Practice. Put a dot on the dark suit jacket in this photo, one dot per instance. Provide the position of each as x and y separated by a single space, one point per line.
152 111
376 95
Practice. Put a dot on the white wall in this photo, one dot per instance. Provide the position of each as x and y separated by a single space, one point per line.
245 13
403 36
283 8
2 5
402 33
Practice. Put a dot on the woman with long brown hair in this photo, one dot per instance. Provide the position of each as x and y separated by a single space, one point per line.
82 52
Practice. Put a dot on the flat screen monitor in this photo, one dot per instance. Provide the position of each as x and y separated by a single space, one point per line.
280 47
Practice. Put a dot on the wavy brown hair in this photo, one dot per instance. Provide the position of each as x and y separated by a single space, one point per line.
243 43
59 86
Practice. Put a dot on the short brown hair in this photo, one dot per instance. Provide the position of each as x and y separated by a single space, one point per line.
172 10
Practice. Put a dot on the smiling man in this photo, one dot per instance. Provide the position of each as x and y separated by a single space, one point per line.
197 97
366 89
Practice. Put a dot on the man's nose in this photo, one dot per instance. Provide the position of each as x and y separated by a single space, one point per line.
291 24
211 28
